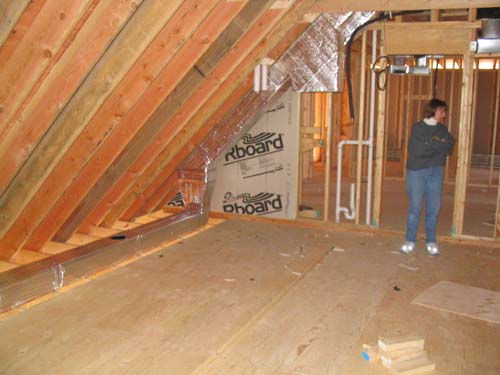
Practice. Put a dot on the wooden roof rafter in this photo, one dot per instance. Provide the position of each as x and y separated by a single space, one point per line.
186 72
113 65
97 146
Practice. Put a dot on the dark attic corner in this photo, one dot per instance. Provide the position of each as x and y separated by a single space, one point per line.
249 187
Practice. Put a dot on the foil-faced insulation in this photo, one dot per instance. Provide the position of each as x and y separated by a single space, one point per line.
315 63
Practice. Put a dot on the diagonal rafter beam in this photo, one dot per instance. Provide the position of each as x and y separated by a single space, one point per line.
99 84
191 76
55 199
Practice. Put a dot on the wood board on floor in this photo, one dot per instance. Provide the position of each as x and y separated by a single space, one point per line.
476 303
151 316
314 327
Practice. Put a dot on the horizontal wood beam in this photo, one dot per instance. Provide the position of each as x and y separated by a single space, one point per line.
449 38
331 6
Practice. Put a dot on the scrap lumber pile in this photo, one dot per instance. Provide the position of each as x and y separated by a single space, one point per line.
405 356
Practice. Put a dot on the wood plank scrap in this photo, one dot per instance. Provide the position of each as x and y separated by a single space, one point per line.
405 355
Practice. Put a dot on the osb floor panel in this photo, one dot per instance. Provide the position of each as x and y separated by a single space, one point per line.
256 298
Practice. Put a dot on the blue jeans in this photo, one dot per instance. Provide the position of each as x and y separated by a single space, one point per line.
423 184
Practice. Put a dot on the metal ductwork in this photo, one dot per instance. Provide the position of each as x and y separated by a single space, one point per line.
489 41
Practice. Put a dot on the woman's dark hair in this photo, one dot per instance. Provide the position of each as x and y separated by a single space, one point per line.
432 105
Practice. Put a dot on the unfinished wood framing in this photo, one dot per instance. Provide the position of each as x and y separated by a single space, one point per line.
361 125
496 105
210 118
463 145
449 38
328 163
126 107
181 80
10 12
379 150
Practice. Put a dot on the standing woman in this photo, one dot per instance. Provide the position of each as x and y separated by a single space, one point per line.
429 144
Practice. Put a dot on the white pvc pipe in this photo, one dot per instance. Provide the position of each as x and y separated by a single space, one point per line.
338 207
349 215
370 137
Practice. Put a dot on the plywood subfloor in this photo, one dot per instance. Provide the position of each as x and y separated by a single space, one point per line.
255 298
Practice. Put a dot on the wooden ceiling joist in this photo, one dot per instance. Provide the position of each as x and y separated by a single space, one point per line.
177 83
